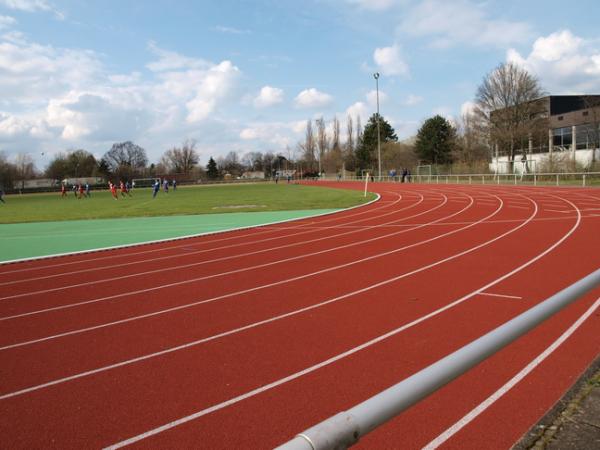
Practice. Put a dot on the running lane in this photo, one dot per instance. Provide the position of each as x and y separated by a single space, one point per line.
291 342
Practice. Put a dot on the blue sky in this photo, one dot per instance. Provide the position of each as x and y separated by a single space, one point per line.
246 75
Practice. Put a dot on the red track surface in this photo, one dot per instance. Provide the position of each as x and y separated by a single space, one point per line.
243 339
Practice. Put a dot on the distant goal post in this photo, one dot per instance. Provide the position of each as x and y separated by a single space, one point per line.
423 171
144 182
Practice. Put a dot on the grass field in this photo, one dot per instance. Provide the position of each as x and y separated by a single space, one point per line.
185 201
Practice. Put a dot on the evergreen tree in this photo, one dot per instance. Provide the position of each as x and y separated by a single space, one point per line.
435 141
211 169
366 151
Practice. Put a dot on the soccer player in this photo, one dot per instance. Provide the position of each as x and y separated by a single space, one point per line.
81 191
2 195
63 190
113 190
87 190
155 188
124 190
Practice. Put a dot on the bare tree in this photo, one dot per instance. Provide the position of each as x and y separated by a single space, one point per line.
125 159
470 147
308 147
25 168
359 132
506 106
253 161
184 159
322 140
349 147
230 164
8 172
334 158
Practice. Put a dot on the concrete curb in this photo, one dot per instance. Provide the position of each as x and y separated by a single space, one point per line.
541 428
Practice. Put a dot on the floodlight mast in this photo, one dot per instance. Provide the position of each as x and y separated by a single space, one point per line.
376 76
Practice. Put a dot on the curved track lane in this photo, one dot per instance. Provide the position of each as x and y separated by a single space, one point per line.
270 330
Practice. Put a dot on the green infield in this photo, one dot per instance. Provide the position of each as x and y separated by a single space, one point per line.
186 200
45 224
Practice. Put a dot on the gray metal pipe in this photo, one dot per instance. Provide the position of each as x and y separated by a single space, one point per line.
345 429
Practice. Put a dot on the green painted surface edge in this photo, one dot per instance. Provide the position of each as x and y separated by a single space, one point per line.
38 239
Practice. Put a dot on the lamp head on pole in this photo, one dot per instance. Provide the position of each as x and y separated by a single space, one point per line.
376 75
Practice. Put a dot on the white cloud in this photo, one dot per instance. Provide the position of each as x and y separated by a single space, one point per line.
230 30
30 72
372 97
390 62
359 109
444 111
64 97
564 63
133 77
412 100
312 98
16 127
169 60
32 6
6 21
216 85
373 5
268 96
462 22
278 134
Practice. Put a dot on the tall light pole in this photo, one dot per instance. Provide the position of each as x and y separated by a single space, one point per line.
376 75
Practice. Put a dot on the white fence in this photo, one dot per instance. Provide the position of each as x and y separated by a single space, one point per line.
535 179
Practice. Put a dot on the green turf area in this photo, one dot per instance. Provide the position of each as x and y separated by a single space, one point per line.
26 240
186 200
46 224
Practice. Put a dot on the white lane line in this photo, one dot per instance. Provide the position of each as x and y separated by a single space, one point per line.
511 383
500 295
252 232
272 319
162 258
561 211
519 207
158 241
274 384
192 280
184 266
232 294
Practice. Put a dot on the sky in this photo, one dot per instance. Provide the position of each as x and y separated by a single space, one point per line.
246 75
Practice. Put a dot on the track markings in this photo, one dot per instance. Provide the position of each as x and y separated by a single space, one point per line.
333 359
501 295
511 383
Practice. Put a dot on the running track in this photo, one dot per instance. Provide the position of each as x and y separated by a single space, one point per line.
243 339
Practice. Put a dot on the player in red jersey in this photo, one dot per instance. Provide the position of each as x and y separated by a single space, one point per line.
63 190
113 190
124 190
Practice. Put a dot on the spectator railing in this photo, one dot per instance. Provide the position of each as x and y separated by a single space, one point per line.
346 428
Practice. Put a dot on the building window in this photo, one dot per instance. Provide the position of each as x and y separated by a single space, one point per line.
586 137
585 113
560 117
562 137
